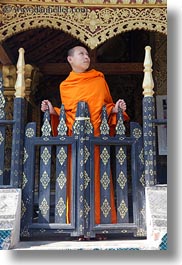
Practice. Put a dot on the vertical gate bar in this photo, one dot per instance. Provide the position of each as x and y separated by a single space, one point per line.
28 181
2 130
87 177
79 133
18 128
139 187
105 172
61 184
63 161
45 172
148 117
105 185
121 173
122 185
44 184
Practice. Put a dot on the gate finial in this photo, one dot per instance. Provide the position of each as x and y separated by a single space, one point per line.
148 83
20 81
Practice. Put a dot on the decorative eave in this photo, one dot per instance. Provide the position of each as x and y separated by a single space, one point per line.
92 3
89 21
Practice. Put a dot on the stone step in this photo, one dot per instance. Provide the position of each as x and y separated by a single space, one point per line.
85 245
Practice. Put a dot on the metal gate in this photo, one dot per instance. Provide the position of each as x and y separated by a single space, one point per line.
58 178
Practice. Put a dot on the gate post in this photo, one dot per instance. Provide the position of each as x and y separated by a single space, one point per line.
18 128
82 128
148 117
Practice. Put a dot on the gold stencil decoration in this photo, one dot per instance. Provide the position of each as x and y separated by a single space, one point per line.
86 154
61 206
105 156
2 104
142 179
1 138
122 180
23 209
105 208
61 180
86 179
122 209
24 181
90 26
105 181
29 133
44 207
45 156
86 208
25 156
121 156
62 156
45 179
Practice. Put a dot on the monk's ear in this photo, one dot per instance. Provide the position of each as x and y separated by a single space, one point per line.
69 59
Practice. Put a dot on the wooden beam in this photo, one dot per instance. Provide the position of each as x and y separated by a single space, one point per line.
106 68
4 58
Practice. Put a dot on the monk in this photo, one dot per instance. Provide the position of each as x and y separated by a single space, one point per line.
90 86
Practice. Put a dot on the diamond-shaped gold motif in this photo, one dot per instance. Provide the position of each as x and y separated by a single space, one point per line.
142 179
2 100
86 154
25 156
105 208
45 156
23 209
105 156
86 208
122 180
44 207
86 179
141 156
1 138
62 156
121 155
122 209
61 180
45 179
105 180
61 206
24 181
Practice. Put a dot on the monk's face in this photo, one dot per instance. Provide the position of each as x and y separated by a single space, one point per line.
79 59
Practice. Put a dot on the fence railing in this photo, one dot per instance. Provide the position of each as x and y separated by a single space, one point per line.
12 176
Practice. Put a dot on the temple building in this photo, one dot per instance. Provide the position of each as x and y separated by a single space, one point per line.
127 42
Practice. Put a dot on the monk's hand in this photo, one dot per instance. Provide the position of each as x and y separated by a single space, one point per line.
119 104
44 105
122 105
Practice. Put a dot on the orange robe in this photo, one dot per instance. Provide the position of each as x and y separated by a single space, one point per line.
92 88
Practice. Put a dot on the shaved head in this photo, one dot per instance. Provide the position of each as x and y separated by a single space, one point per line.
71 51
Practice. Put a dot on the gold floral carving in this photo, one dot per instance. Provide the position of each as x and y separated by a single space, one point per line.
91 26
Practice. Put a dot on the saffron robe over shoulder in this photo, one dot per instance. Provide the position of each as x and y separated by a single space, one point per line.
92 88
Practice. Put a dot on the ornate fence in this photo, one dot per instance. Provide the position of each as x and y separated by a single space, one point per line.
46 208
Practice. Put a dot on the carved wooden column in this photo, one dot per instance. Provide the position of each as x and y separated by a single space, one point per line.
18 128
148 117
